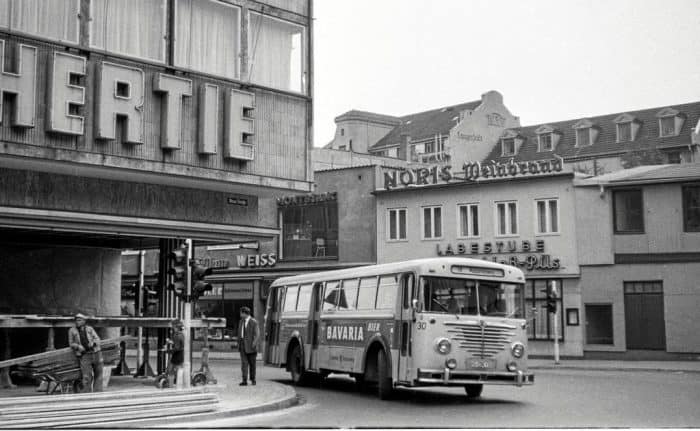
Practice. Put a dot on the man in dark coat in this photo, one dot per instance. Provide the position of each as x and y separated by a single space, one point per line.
86 345
248 340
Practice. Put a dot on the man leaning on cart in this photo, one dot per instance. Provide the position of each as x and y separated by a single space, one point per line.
86 345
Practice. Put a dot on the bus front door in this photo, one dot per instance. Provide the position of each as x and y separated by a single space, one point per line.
313 326
272 327
405 325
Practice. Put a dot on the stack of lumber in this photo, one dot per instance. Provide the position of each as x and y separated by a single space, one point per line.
84 410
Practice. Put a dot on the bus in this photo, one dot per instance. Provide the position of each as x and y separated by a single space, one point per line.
445 321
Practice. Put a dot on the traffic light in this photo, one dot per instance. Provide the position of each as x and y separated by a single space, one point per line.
199 286
178 270
551 301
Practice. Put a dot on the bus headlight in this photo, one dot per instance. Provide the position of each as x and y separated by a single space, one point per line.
451 363
512 366
517 349
443 345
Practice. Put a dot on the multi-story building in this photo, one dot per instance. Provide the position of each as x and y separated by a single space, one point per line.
131 123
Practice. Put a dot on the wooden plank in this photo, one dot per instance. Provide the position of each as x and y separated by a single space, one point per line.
55 353
120 394
37 321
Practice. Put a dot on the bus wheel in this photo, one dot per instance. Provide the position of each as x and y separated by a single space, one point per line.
384 388
473 391
296 367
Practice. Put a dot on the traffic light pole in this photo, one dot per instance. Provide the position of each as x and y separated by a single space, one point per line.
187 320
556 324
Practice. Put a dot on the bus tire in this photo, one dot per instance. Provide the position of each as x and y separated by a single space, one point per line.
473 391
384 387
296 367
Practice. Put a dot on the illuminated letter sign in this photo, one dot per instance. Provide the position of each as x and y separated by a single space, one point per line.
120 93
62 93
239 129
174 89
22 84
208 119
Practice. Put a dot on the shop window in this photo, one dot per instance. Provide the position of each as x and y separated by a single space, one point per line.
348 297
277 55
599 324
207 37
225 300
53 19
628 208
506 218
691 208
387 291
432 222
310 231
541 325
545 142
468 220
131 27
624 132
397 224
547 216
367 295
508 147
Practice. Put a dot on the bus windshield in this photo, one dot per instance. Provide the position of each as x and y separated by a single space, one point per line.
472 297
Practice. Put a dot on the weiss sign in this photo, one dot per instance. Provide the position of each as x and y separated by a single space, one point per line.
120 92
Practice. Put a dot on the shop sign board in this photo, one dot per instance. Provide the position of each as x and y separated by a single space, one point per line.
262 260
471 171
529 255
306 199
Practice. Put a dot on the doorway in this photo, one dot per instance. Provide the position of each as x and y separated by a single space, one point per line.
645 327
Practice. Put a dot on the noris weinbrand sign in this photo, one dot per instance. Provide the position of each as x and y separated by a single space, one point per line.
471 171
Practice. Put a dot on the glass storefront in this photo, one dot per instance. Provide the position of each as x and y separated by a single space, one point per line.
226 300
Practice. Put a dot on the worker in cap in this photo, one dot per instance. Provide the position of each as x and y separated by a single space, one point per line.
85 342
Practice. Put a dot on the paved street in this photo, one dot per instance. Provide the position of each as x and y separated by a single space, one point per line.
560 398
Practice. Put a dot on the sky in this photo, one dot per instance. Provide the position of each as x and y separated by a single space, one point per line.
551 60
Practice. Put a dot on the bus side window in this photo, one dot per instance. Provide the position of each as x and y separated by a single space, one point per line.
367 294
304 302
348 294
406 288
332 294
388 289
290 299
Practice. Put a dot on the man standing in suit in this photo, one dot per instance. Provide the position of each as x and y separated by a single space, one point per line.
248 339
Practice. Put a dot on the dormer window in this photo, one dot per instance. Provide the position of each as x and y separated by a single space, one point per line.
545 142
547 138
624 132
508 147
626 127
586 133
670 122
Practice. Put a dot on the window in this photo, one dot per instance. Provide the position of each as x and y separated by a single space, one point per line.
599 324
304 298
691 208
547 215
342 132
367 294
432 222
277 53
628 210
342 147
583 136
290 299
506 218
330 301
348 296
667 126
508 147
545 141
53 19
310 231
674 157
207 37
470 297
130 27
392 152
397 224
541 325
468 220
388 290
624 132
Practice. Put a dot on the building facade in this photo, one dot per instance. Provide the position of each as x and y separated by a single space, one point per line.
133 122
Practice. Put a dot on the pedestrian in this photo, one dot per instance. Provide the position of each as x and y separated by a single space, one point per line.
176 348
248 339
86 344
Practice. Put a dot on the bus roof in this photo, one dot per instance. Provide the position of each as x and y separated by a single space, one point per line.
437 266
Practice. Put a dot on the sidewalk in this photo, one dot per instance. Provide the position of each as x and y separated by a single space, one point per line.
615 365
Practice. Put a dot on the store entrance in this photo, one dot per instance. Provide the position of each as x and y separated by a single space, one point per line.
644 316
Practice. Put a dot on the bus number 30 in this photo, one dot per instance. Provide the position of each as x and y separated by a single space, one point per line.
421 325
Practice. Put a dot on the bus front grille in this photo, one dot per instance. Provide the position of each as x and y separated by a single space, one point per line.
481 339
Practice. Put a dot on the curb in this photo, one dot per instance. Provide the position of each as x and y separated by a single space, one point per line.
289 399
567 367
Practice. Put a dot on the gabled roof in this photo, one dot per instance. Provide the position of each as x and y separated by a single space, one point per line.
424 125
647 137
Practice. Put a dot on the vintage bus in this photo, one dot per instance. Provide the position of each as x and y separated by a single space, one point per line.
428 322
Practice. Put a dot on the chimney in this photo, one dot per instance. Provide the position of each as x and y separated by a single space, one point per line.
404 142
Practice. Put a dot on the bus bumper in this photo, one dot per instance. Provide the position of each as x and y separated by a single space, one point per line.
447 377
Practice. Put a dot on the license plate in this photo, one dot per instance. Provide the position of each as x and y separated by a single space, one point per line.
480 363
